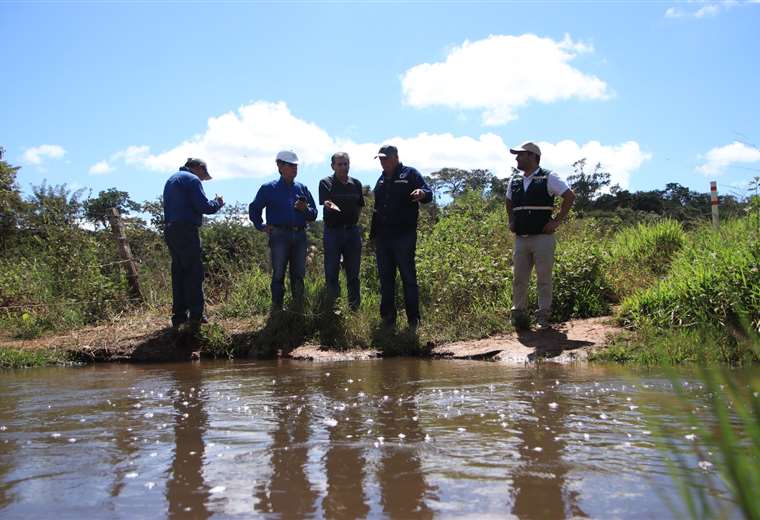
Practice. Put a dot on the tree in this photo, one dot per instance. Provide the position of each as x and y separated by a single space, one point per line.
54 206
11 204
98 208
454 181
587 186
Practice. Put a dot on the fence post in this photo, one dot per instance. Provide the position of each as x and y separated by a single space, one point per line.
125 253
714 202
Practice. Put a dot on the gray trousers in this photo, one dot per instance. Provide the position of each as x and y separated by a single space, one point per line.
538 251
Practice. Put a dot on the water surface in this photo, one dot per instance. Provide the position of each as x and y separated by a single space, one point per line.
403 438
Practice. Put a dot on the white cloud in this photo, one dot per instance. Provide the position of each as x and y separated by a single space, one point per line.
240 144
703 8
100 168
431 152
244 144
619 160
501 74
717 160
37 154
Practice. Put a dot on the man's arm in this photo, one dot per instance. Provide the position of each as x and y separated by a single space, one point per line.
510 215
200 202
325 196
568 198
311 209
422 193
256 207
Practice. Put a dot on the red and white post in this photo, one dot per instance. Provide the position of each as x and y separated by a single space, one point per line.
714 202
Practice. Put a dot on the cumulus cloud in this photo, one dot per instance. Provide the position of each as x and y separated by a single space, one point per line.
431 152
240 144
702 8
100 168
500 74
717 160
38 154
619 160
244 144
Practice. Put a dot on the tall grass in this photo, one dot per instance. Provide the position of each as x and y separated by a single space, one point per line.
728 434
638 256
714 280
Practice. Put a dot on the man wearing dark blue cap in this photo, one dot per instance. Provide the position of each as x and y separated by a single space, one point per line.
289 207
185 203
398 194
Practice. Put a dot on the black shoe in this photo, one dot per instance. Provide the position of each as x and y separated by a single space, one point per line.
389 324
198 321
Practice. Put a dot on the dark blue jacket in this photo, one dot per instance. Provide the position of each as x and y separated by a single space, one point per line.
279 198
395 211
184 199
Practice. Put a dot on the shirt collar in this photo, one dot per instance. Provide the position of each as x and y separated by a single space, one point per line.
534 172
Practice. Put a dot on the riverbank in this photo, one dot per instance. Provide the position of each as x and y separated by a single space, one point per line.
145 338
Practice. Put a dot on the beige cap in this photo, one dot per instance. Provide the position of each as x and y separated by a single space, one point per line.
527 146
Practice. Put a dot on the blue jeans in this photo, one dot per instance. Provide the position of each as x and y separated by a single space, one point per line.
187 271
347 242
397 252
287 248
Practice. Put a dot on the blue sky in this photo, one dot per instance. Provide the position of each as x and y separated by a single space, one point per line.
118 94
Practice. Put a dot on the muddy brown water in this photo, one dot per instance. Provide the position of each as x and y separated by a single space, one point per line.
398 438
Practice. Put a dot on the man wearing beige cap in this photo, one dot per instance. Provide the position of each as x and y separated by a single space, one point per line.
530 205
185 203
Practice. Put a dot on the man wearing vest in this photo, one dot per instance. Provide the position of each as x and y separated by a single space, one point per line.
530 204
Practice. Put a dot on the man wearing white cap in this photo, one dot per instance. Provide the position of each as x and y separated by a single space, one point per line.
289 207
530 205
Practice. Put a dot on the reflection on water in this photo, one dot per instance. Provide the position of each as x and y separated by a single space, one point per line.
392 438
186 491
539 479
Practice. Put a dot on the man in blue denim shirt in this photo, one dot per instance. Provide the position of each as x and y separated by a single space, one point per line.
289 207
185 203
398 194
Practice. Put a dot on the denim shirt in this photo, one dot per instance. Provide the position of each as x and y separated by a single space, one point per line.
185 201
279 198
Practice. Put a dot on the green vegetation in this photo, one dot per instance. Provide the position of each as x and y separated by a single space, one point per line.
724 453
675 279
27 358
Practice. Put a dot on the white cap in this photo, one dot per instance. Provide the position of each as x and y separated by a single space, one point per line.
287 156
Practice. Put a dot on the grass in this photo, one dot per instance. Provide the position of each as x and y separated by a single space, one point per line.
728 433
28 358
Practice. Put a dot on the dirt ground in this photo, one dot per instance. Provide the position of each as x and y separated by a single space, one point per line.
146 338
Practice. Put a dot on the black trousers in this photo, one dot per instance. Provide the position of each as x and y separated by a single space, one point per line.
187 271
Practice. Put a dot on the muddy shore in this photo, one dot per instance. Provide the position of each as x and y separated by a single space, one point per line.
146 339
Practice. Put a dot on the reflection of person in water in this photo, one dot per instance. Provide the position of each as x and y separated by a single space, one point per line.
344 461
539 481
402 483
186 491
289 492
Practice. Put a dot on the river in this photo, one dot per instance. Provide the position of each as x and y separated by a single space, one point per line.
396 438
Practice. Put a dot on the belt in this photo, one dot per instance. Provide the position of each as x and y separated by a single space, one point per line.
343 226
288 228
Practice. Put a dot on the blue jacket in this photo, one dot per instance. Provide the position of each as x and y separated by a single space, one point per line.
185 200
279 199
395 211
